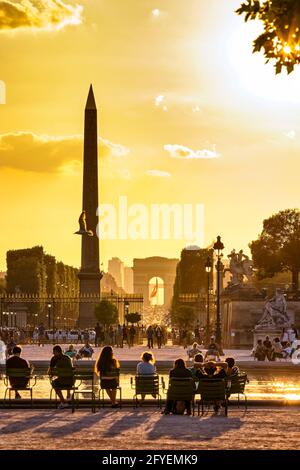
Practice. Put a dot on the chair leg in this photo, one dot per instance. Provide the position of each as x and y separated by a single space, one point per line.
120 389
93 403
246 403
4 399
31 398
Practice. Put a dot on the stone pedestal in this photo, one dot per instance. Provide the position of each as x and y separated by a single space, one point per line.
239 318
263 332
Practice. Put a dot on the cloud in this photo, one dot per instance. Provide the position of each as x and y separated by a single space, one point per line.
44 15
158 173
290 134
185 153
42 153
160 101
115 150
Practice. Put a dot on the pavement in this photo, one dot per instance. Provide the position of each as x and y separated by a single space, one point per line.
109 429
166 353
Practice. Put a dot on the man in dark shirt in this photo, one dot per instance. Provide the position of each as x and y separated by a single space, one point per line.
16 362
61 368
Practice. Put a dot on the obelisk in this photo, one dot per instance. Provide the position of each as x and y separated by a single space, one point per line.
89 275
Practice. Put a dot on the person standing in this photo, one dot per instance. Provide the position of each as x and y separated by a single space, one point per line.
98 334
119 336
132 333
158 337
149 334
41 334
125 335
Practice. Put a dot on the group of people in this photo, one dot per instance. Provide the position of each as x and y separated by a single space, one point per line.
107 367
283 347
116 335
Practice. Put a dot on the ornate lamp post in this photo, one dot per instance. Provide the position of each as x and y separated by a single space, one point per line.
208 267
49 316
218 246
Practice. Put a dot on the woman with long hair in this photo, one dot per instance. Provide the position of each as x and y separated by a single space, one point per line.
108 367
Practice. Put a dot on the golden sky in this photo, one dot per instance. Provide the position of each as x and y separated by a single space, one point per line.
175 84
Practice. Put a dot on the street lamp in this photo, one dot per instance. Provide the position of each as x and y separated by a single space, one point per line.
126 309
218 246
49 316
208 267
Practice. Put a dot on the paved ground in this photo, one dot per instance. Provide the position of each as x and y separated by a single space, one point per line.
273 428
169 353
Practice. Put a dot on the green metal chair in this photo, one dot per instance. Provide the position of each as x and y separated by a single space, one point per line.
145 385
236 386
81 376
212 391
65 375
182 389
104 385
29 381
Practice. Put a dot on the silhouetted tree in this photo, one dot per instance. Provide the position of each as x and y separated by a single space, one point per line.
133 317
184 316
106 313
280 39
278 247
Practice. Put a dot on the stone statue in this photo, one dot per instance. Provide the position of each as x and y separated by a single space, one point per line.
82 226
240 266
275 312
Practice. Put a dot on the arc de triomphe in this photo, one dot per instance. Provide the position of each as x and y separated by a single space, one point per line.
156 266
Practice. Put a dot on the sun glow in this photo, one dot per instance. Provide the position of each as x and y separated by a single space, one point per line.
251 72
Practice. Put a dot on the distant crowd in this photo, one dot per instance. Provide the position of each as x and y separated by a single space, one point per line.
278 347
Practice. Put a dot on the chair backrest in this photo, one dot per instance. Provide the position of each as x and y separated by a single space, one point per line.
24 373
84 374
181 388
110 375
212 389
63 372
146 384
237 383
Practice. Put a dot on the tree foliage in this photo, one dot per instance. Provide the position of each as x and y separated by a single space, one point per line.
280 39
184 316
191 277
278 247
106 313
133 317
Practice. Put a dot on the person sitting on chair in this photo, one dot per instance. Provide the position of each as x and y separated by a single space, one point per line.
61 362
108 367
146 367
212 352
85 351
193 351
259 351
277 349
179 371
71 352
214 370
16 362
